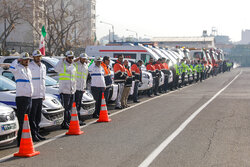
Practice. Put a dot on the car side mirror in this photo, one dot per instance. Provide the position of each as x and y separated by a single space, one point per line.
51 70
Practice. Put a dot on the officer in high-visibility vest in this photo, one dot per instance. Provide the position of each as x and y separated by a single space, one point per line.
183 67
81 79
158 76
119 78
177 74
189 71
67 85
128 85
137 74
151 68
165 70
38 71
24 89
107 76
199 68
97 84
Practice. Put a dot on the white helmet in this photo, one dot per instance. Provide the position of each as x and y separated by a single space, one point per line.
25 56
69 54
37 53
83 55
98 58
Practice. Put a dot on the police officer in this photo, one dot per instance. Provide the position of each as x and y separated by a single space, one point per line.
119 79
81 79
177 74
183 70
128 85
137 74
151 68
199 68
165 70
24 89
158 76
97 84
107 77
67 85
38 71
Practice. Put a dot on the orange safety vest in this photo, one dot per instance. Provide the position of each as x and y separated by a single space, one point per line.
162 66
136 72
165 66
119 71
150 67
106 69
158 67
129 72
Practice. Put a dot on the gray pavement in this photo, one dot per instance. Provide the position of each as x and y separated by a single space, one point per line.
218 136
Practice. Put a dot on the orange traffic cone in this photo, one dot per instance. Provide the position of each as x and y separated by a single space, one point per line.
26 148
103 117
74 127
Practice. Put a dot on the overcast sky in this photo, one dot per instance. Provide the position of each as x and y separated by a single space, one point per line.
154 18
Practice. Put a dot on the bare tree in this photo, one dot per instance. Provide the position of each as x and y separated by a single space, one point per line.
62 18
11 14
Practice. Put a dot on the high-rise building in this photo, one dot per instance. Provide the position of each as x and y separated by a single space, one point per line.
89 22
245 37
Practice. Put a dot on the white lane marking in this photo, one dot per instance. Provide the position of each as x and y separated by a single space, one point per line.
94 121
170 138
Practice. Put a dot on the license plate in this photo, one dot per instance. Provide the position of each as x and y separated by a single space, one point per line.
8 127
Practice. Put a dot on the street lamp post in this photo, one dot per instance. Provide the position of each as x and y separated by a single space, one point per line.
113 29
134 32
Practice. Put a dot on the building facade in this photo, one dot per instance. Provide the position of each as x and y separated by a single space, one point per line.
245 37
190 42
23 32
27 32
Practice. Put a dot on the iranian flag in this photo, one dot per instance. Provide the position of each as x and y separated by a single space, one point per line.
42 41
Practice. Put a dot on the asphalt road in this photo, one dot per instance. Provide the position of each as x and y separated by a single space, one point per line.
217 136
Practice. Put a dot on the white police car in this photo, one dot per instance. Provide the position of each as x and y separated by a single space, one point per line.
8 125
52 110
88 102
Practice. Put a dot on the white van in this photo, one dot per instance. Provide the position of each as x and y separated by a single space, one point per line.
128 51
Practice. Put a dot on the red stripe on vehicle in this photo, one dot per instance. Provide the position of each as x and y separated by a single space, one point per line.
122 51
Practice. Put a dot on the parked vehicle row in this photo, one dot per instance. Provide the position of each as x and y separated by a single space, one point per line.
53 112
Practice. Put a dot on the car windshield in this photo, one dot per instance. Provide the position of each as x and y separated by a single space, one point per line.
6 84
155 56
52 61
50 81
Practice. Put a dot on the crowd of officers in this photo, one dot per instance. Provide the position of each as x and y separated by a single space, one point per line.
73 75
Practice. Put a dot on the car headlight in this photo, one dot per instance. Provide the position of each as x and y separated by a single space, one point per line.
8 117
3 118
44 106
12 115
